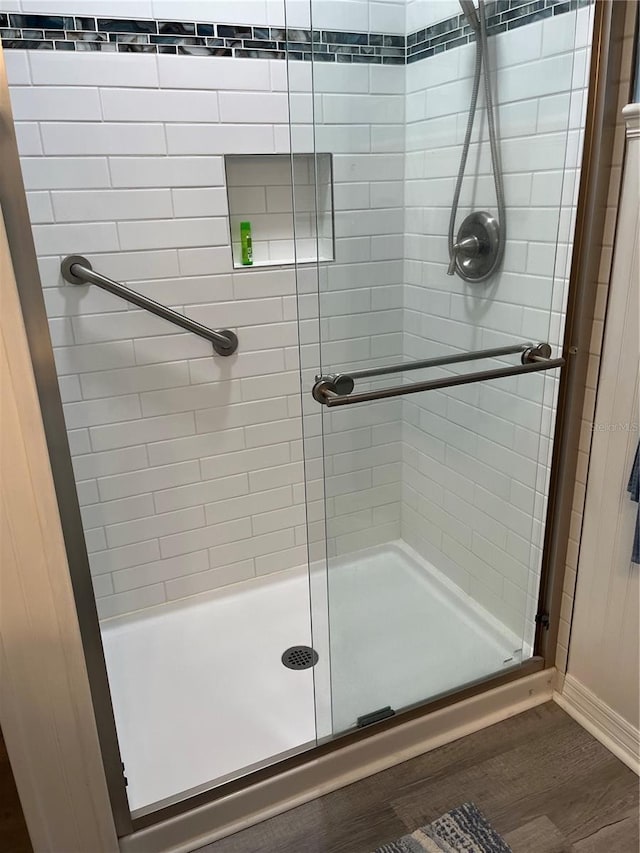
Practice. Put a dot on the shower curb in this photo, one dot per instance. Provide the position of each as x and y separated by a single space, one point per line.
210 822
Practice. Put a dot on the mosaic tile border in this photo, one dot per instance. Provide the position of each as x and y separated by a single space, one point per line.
65 32
192 38
502 15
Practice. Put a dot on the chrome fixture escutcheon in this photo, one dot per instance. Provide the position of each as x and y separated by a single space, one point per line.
532 354
475 251
340 384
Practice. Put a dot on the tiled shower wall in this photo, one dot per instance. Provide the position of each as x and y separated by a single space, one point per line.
472 481
189 466
360 306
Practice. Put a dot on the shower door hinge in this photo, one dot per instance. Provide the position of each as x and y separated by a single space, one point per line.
126 781
542 618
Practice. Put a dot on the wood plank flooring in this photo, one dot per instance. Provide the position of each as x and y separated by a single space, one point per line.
544 783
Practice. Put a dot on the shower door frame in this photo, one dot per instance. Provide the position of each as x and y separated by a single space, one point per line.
609 21
13 200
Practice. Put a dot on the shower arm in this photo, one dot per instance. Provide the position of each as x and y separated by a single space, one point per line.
335 389
77 270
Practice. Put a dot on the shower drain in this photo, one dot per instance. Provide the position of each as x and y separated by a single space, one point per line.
300 657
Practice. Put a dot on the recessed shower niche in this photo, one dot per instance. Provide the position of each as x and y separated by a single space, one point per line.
288 201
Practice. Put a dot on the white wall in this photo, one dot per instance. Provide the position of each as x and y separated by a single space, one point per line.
359 308
601 684
136 182
424 13
362 15
475 468
595 344
189 466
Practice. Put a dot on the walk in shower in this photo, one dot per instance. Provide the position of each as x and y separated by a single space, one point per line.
313 487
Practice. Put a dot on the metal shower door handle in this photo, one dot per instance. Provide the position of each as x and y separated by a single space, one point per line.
335 389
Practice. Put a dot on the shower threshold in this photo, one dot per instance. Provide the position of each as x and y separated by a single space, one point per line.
200 692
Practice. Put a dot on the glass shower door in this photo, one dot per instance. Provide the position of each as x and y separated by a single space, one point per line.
184 462
433 556
429 400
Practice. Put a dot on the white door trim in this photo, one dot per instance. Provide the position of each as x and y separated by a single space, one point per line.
45 704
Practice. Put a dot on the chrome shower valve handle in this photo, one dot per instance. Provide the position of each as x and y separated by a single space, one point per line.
474 255
469 246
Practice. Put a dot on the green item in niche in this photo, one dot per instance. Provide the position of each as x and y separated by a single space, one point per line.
246 244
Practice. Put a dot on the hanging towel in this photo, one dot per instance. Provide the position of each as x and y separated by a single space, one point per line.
634 489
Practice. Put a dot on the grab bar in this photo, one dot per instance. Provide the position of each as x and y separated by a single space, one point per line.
77 270
333 389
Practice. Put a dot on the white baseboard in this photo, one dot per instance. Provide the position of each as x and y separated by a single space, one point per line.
330 772
605 724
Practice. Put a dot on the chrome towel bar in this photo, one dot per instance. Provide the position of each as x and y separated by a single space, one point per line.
344 382
335 389
77 270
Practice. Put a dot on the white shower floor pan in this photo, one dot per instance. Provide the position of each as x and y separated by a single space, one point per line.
200 692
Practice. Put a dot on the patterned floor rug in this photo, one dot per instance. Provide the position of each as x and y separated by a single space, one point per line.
462 830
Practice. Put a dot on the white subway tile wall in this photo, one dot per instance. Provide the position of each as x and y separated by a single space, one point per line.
476 458
189 466
360 310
